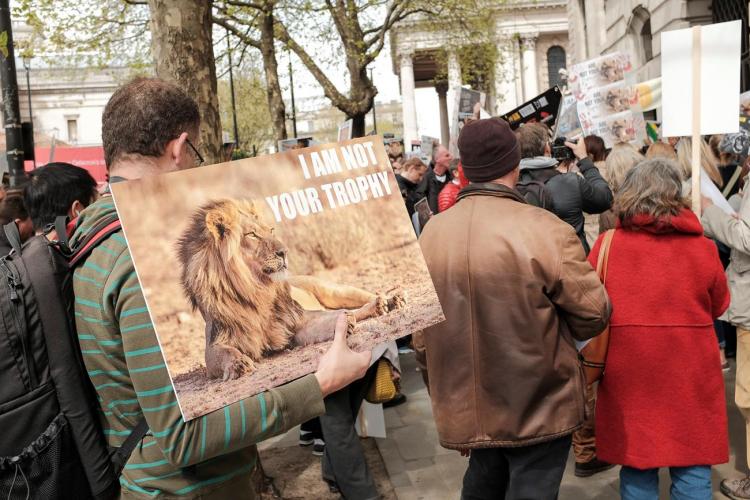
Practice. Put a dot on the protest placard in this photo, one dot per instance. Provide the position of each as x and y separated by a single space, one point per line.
467 103
567 123
608 104
294 143
700 69
738 143
542 108
598 72
251 262
345 130
649 94
718 82
627 126
427 145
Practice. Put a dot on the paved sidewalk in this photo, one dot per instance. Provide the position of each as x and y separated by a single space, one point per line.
420 469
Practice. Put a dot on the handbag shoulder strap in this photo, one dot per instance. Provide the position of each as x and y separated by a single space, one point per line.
603 258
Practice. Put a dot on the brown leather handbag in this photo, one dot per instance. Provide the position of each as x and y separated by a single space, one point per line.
594 354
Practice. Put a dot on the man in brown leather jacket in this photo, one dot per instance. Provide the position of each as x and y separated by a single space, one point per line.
516 290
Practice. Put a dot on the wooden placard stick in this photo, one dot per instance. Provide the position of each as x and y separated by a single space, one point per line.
696 138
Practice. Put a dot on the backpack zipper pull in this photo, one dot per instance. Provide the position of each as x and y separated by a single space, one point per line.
13 288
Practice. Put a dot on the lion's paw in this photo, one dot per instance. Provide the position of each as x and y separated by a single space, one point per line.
381 305
236 367
397 300
351 324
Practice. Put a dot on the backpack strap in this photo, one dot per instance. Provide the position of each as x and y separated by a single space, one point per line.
103 229
61 228
93 237
13 235
121 455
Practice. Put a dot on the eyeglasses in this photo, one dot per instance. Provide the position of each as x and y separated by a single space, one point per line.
198 156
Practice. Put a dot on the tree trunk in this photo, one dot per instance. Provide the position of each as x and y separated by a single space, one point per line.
362 97
182 47
270 66
358 125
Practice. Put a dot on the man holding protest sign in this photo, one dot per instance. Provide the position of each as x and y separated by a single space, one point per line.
148 128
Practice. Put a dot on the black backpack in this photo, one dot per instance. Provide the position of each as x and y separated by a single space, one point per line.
51 442
535 192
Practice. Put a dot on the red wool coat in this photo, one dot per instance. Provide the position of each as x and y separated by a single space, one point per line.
661 401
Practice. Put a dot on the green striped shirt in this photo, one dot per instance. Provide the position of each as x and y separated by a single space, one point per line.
126 366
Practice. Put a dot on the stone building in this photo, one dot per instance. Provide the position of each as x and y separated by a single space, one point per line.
532 41
67 103
634 26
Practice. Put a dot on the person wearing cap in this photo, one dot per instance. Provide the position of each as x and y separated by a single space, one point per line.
516 290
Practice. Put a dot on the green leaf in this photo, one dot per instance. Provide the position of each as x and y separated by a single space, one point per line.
4 44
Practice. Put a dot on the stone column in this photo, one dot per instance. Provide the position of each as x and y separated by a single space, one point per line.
454 80
530 86
442 90
408 104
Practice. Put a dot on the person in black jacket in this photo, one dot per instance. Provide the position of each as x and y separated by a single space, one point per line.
409 182
572 194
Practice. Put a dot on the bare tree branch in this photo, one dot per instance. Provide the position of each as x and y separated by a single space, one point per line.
330 90
248 40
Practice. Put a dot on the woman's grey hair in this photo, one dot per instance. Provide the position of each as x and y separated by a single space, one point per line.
653 187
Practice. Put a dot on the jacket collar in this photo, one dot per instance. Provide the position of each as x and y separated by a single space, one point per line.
490 189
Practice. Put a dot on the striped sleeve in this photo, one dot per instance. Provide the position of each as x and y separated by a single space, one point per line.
236 426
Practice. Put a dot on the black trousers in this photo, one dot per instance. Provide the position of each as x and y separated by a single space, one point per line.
525 473
344 459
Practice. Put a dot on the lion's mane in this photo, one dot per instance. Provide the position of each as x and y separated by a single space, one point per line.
224 278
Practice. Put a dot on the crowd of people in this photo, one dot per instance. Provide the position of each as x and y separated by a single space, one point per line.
504 375
515 247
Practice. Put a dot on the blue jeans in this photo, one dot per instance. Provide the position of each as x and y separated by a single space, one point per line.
688 483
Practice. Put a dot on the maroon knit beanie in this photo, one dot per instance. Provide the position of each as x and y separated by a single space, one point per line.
488 149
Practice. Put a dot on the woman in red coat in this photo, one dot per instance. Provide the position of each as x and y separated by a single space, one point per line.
661 400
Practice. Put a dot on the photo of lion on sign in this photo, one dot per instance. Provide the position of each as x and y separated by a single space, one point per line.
234 271
242 301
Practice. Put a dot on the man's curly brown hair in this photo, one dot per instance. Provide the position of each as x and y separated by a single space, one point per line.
143 115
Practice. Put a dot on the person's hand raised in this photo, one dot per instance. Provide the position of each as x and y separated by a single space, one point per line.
579 148
340 366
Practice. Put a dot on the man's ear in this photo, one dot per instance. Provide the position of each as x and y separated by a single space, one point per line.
547 150
178 152
75 209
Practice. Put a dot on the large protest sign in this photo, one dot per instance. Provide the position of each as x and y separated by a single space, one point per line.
268 250
700 69
608 104
542 108
718 55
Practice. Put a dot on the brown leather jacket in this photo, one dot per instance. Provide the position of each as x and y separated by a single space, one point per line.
515 286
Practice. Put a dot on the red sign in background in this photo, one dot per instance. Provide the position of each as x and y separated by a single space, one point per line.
89 157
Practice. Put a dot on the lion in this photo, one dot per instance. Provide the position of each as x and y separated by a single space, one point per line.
234 272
